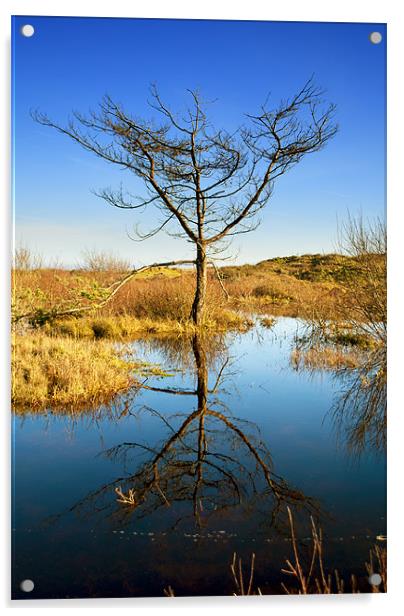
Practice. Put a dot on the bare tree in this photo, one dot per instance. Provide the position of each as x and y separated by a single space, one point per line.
207 184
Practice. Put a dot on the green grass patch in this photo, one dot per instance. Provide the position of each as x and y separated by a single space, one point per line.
166 272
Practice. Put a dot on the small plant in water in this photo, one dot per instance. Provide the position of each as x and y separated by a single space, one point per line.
268 322
127 499
236 569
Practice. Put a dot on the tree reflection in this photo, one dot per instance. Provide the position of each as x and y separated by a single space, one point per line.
360 411
210 459
360 405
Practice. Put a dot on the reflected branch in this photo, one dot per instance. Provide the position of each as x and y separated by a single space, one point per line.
211 460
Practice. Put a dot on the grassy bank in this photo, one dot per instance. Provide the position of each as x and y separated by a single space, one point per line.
51 371
59 373
126 327
333 346
289 286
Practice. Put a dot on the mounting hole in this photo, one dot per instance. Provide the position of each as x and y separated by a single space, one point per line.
375 38
375 579
27 585
27 30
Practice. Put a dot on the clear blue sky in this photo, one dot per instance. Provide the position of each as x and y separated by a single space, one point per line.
70 63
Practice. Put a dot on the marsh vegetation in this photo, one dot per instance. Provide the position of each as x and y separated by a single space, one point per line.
199 453
340 297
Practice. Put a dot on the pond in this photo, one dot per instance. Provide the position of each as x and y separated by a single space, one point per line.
207 460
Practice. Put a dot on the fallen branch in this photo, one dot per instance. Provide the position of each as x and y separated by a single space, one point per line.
113 288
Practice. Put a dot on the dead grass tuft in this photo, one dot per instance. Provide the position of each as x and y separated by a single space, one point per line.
55 372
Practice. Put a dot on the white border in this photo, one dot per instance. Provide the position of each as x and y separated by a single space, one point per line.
294 10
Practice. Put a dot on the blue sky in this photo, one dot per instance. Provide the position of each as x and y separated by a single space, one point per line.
70 63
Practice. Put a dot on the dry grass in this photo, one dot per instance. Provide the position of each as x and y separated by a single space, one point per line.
291 286
242 587
121 327
326 358
58 373
378 565
267 322
154 303
163 294
311 267
313 577
275 287
126 327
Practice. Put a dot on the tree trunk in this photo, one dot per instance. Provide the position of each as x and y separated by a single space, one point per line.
201 371
201 284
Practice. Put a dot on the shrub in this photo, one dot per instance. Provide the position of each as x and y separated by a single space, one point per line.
265 290
105 328
103 261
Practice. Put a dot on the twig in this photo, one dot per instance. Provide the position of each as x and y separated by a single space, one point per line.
219 279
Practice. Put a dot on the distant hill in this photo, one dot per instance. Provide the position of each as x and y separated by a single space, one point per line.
313 268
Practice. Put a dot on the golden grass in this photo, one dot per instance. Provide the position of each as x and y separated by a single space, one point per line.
326 358
267 322
55 372
74 362
127 327
276 287
167 272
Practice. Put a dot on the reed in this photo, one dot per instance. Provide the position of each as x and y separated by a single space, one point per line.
307 572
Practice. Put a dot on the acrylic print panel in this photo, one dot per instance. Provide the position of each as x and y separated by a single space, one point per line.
199 313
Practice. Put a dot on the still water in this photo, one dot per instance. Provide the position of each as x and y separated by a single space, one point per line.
213 454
